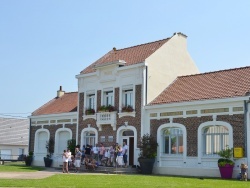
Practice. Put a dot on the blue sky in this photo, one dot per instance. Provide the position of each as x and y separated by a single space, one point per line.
45 43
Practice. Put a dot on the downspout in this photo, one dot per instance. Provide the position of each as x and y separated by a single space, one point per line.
247 130
77 118
29 136
144 95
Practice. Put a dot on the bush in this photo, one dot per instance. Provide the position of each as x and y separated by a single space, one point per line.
148 146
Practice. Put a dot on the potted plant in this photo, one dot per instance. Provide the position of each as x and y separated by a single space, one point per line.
110 108
225 163
148 151
102 108
72 146
50 150
29 158
90 111
128 108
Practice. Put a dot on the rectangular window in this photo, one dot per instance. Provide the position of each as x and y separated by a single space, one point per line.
128 97
102 139
108 98
215 138
110 138
90 101
173 141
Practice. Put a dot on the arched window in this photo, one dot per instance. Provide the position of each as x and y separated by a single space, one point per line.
89 138
215 138
173 141
128 133
42 139
63 137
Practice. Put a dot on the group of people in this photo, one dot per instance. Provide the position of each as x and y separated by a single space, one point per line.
93 156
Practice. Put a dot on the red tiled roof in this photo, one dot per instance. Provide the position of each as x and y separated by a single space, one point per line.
212 85
131 55
66 103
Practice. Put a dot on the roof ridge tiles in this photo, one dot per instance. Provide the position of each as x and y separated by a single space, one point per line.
142 51
143 44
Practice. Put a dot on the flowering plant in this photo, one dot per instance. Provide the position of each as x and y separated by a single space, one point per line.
128 108
90 111
108 108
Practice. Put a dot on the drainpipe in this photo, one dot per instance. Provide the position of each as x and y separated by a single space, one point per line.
29 136
77 118
247 130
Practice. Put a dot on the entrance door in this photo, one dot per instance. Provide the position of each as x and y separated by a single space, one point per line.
130 152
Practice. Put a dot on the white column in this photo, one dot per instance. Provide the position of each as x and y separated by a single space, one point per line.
248 135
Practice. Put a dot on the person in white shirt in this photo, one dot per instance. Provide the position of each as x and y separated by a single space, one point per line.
124 152
119 157
95 152
69 159
65 161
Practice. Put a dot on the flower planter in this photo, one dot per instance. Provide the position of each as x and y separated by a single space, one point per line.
146 165
47 162
28 160
226 171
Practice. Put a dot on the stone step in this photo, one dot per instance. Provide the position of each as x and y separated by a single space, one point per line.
106 170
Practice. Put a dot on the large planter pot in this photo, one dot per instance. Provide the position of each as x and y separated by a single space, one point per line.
226 171
146 165
28 161
47 162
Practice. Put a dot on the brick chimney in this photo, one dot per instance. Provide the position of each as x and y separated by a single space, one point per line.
60 92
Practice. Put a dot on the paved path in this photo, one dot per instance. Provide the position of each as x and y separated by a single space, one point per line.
28 175
40 174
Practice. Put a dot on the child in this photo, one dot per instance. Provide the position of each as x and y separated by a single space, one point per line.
243 171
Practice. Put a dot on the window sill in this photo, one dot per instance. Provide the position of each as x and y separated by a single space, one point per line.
122 114
89 116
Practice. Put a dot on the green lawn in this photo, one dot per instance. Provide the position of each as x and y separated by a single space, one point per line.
18 167
120 181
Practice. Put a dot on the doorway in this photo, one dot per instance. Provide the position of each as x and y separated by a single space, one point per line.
128 137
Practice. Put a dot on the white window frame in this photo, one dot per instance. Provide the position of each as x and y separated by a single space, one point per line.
108 98
90 101
130 101
160 140
200 137
83 135
215 140
90 139
123 89
176 135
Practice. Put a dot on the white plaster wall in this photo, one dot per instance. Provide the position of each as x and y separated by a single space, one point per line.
169 61
208 168
111 77
15 149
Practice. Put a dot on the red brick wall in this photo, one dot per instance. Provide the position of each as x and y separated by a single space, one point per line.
107 130
192 124
52 129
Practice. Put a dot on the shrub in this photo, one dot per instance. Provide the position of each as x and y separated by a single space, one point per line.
148 146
